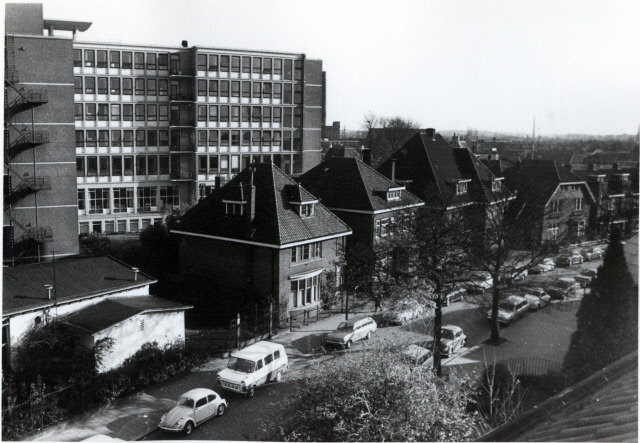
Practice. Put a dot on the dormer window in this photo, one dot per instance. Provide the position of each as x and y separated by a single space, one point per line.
496 185
461 187
234 208
390 194
307 210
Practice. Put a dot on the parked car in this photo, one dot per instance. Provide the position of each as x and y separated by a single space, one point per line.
416 355
589 272
404 312
254 366
514 276
563 287
536 292
570 259
351 331
536 302
192 409
592 254
583 280
453 294
549 263
452 338
475 281
510 309
545 266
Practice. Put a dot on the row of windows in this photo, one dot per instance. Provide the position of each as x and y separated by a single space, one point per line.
211 88
309 251
96 200
224 164
386 226
289 117
102 58
556 205
305 291
92 138
117 165
113 226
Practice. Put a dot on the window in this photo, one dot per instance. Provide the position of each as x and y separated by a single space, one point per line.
224 113
224 164
234 209
496 185
307 210
122 199
578 204
152 113
297 75
202 113
297 116
141 165
235 64
580 228
80 167
115 86
116 165
288 65
92 166
103 138
246 138
103 112
235 89
202 138
213 164
213 88
461 188
277 138
152 165
277 66
266 90
306 252
224 89
277 90
268 359
246 89
213 113
151 61
104 166
235 141
266 68
224 63
553 231
127 60
266 137
213 62
202 88
305 291
116 138
81 202
127 138
235 113
92 139
163 87
79 139
127 112
77 58
89 58
78 111
115 59
127 86
90 85
103 87
128 163
202 164
202 62
139 60
139 113
555 206
147 199
140 136
163 62
139 86
287 117
288 90
256 113
394 195
164 164
163 113
115 113
163 137
286 140
224 138
151 87
246 65
246 113
77 85
102 59
255 139
98 200
257 65
169 196
257 90
213 138
297 94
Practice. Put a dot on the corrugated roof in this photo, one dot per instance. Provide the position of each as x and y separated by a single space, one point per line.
348 183
76 278
276 221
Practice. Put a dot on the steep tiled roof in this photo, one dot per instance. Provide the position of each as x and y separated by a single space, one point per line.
348 183
115 310
603 407
76 278
497 167
433 168
276 221
537 180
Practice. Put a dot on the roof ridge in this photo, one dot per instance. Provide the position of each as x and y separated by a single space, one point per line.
275 201
362 182
435 176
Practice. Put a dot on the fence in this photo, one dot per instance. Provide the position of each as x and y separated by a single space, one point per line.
532 366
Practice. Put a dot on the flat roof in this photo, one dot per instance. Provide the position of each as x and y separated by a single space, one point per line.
75 278
66 25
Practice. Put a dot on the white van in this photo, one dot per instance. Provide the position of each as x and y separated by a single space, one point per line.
254 366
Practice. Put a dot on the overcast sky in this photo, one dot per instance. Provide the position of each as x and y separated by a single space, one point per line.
490 65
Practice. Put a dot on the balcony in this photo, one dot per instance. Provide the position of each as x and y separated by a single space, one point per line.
181 97
179 72
26 139
27 186
26 100
182 175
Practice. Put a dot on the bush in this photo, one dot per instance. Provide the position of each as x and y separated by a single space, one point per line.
95 244
499 395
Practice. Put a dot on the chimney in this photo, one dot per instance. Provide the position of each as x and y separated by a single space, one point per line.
393 170
494 139
616 166
366 156
48 288
185 44
252 196
135 273
431 132
219 182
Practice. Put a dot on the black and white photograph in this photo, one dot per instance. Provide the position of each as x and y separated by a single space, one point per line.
341 221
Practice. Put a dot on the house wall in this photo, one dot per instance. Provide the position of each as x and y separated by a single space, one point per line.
20 324
129 336
567 217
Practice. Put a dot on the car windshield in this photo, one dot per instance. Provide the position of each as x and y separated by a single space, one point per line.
507 306
345 327
184 401
241 365
447 334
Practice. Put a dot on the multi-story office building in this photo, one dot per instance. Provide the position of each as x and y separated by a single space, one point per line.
156 127
161 126
40 215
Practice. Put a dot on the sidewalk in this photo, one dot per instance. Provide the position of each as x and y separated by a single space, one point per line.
135 416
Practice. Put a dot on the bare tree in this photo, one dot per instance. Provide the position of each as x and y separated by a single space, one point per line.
386 135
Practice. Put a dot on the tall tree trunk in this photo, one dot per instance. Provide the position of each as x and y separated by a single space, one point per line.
495 325
437 360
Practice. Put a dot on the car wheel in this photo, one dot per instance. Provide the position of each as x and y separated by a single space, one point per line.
278 376
368 335
188 428
348 345
221 409
251 392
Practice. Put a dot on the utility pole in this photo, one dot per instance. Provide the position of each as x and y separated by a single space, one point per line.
533 140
